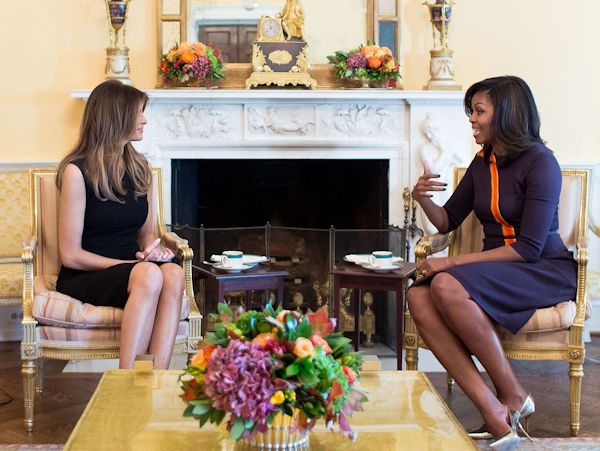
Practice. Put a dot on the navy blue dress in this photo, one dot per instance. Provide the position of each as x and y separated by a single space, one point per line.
517 204
109 229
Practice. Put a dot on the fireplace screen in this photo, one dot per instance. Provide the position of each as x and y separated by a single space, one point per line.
307 254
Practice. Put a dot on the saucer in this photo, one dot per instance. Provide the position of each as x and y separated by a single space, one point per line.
231 270
248 259
363 259
381 269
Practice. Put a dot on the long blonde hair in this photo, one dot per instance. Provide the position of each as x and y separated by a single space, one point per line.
104 148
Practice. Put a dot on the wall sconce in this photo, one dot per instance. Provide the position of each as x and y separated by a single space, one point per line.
441 65
117 55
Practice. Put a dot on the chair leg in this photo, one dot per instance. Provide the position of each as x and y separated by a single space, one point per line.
575 375
29 376
412 359
39 386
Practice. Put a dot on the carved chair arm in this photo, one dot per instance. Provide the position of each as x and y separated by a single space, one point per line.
582 261
180 247
432 244
177 244
28 251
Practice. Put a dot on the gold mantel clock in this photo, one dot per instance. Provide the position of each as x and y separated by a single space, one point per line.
277 58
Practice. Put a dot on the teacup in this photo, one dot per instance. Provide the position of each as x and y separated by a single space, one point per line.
381 259
232 259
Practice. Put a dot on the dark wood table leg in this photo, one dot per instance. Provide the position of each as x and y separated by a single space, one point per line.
220 292
399 323
336 302
357 321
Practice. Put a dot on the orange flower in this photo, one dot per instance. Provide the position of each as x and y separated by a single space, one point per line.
317 340
303 347
203 356
386 51
264 339
199 48
374 62
390 65
190 393
369 50
320 322
171 55
188 56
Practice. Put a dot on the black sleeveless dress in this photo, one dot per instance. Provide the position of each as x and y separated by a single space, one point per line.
110 229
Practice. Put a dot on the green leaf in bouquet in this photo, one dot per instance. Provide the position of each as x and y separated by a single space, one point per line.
200 409
223 308
348 73
200 402
269 310
188 412
304 329
287 409
204 418
291 322
291 370
216 416
237 429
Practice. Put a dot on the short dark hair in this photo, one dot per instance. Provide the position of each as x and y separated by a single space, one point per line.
516 121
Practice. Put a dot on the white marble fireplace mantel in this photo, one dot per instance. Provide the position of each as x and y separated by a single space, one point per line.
303 124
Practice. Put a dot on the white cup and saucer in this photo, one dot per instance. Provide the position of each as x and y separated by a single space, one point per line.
231 261
382 261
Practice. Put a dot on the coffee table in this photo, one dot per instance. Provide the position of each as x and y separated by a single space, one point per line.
349 275
134 410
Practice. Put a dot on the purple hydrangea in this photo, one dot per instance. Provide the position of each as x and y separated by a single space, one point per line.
200 68
238 380
357 60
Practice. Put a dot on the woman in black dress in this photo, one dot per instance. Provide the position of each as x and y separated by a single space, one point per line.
107 248
513 186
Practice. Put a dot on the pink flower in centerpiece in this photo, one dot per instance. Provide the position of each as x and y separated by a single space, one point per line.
239 381
200 67
351 375
318 340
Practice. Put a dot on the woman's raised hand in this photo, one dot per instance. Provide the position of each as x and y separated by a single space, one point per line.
425 185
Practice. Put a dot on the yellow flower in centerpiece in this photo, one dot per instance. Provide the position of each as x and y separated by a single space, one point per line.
277 398
303 347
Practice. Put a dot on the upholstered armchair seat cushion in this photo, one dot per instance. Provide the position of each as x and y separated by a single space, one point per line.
52 308
108 335
11 280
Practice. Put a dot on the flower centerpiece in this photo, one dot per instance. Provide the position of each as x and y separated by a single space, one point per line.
191 65
367 64
259 370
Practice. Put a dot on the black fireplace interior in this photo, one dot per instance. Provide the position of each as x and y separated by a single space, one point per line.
301 199
298 193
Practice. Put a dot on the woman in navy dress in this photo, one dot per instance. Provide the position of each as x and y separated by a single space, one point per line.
513 186
107 247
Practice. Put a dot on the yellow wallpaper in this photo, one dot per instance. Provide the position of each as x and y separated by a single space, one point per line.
51 47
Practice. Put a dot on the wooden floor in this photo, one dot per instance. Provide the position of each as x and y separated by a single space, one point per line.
66 395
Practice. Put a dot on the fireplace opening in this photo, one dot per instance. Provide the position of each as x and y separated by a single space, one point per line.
299 193
226 204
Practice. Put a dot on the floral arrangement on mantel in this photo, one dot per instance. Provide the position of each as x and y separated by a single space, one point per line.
367 63
257 366
191 64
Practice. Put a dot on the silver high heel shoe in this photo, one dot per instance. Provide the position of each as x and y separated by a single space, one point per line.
528 408
510 440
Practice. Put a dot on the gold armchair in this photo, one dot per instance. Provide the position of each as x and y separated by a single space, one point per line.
57 326
554 333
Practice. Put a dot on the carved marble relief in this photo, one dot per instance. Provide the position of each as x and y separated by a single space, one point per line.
280 121
362 121
193 122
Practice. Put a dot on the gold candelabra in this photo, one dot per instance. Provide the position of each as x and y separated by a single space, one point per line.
117 55
441 65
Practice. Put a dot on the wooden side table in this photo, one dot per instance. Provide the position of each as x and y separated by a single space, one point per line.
354 276
261 277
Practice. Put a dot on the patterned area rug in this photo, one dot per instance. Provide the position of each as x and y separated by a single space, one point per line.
552 444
